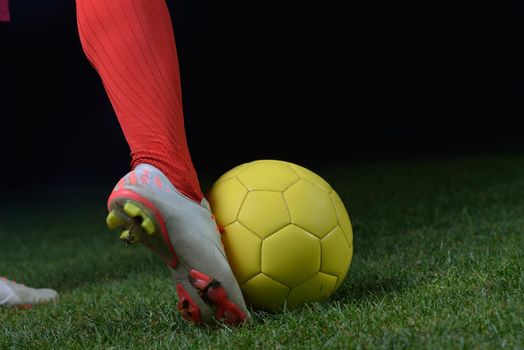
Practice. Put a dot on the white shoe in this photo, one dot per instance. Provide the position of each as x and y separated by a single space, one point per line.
149 209
17 295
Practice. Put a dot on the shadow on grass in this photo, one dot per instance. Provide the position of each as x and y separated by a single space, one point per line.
368 288
109 269
351 292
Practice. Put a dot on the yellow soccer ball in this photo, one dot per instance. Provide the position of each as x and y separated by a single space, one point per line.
286 233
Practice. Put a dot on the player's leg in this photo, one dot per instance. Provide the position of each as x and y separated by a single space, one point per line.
159 203
14 294
4 11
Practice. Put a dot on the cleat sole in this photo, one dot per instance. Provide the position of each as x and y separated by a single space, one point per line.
201 298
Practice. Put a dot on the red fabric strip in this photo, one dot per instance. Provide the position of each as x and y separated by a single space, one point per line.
4 11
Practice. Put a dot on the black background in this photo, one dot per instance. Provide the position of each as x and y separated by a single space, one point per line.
308 82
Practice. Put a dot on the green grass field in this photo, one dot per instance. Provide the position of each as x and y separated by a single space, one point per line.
438 264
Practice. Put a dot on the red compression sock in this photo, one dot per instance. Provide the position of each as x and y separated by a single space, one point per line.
132 46
4 11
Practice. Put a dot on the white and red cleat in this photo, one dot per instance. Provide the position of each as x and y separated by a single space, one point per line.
17 295
150 210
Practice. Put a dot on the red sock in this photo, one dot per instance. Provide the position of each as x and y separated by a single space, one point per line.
132 46
4 11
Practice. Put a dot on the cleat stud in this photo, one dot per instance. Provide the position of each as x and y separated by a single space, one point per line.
132 210
113 220
229 313
199 280
148 226
187 307
126 237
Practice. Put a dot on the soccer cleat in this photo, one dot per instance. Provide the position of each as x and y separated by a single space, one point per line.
17 295
149 209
